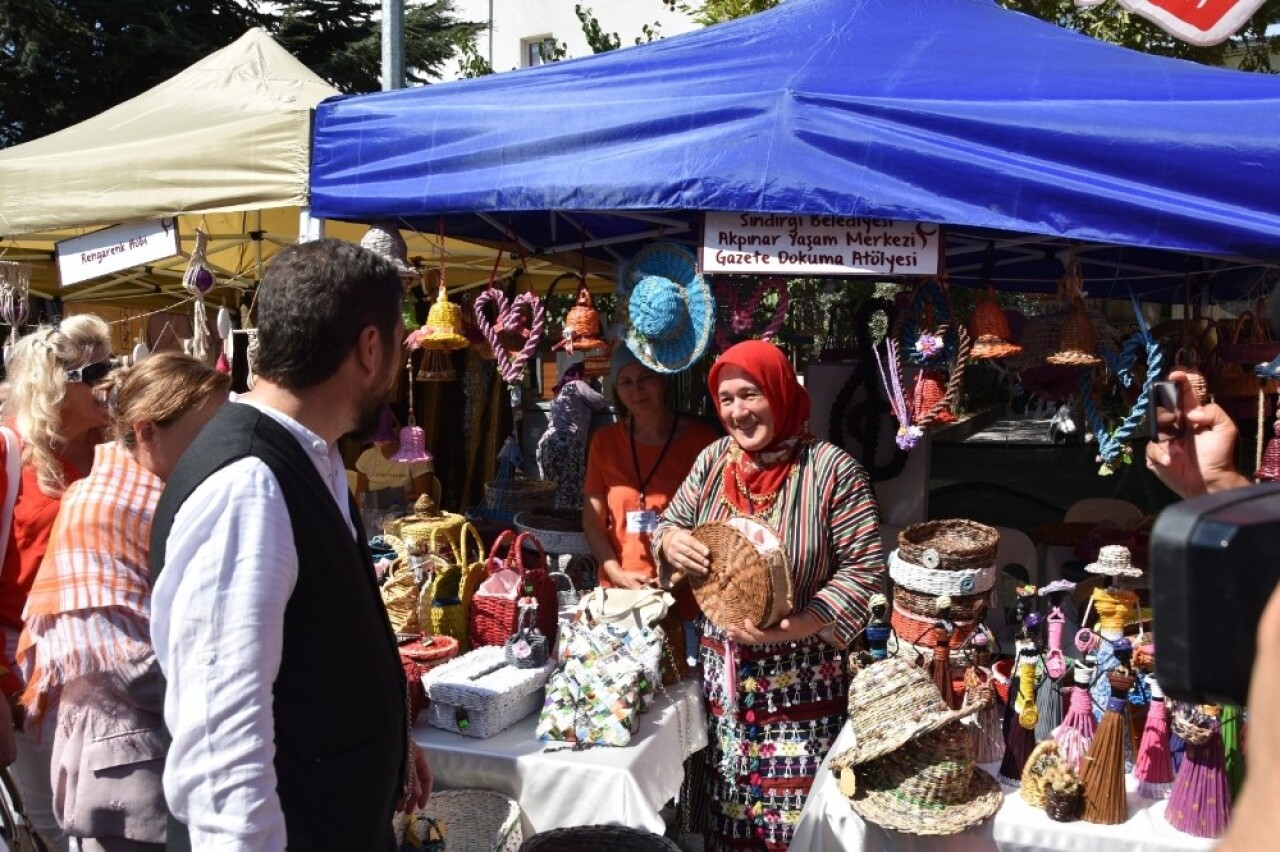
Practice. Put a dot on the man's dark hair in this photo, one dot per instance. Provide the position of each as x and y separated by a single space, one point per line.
314 300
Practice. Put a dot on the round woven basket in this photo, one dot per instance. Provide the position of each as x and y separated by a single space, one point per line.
419 657
954 543
963 607
1063 807
476 820
594 838
559 530
743 582
520 495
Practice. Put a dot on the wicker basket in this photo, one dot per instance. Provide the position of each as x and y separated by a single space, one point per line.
419 657
1077 341
446 600
479 695
476 820
949 545
594 838
963 607
1042 758
1063 807
990 330
559 530
744 582
495 616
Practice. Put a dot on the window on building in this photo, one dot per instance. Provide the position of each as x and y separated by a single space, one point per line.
538 50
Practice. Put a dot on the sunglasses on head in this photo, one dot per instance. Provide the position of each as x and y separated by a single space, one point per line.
91 374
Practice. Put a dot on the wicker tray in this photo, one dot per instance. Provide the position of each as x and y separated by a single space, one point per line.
949 545
744 582
594 838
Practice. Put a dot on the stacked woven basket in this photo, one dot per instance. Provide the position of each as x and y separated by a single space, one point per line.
945 567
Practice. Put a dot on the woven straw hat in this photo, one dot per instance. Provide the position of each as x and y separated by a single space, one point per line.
930 786
1114 561
750 576
670 309
383 239
890 703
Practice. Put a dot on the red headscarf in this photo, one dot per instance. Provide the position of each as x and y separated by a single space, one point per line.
769 368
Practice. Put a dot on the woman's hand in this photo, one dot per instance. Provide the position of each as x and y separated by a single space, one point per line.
420 780
798 625
685 553
626 579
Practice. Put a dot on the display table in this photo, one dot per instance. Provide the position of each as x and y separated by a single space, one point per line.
829 824
555 789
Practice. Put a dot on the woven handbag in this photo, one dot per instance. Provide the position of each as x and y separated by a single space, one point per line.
750 576
479 695
512 573
627 607
527 647
446 601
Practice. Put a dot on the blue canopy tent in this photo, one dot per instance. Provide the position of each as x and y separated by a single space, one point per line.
1012 132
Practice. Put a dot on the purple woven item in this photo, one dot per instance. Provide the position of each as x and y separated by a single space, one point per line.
1154 768
1200 804
1018 743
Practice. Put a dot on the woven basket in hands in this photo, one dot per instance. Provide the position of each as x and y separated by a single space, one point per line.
949 545
476 820
593 838
743 583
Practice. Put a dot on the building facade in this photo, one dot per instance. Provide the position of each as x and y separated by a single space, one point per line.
517 29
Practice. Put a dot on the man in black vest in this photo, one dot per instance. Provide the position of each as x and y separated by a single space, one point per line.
286 699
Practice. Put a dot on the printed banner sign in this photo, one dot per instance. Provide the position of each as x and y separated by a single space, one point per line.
1199 22
115 248
772 244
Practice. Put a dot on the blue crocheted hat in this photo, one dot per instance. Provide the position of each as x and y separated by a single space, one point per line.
670 310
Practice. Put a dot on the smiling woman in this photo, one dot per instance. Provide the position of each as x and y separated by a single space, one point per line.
789 679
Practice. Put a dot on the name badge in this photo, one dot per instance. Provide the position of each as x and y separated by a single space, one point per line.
642 521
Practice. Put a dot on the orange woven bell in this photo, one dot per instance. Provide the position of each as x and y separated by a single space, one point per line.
927 390
1077 341
581 326
1269 470
990 330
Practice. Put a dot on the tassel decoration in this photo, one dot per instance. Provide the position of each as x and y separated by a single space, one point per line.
940 665
1200 804
1102 773
1154 766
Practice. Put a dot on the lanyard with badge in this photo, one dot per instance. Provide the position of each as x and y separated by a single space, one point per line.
642 520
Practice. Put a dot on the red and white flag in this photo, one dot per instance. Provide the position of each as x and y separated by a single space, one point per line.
1199 22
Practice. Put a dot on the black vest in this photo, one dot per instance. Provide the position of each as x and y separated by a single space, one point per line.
339 698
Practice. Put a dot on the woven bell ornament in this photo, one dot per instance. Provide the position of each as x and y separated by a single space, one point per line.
1077 340
989 328
1269 470
413 439
582 326
927 390
443 329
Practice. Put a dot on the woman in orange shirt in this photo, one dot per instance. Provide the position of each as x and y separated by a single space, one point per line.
634 467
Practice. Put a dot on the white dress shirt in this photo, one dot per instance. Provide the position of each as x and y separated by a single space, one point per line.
218 627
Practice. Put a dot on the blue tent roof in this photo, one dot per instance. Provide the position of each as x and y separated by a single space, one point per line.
952 111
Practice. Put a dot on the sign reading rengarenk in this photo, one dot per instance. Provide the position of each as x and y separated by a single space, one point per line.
776 244
115 248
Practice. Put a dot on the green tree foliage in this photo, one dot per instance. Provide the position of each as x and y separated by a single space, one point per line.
718 11
62 61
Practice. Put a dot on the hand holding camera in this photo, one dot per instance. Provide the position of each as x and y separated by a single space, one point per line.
1192 445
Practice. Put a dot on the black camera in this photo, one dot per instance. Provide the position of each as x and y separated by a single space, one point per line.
1213 567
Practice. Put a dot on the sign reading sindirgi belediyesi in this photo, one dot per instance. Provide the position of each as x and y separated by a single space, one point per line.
115 248
772 243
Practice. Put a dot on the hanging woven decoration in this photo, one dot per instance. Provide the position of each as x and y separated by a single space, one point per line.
413 439
1077 340
582 332
1113 446
913 421
227 354
15 288
989 328
512 337
927 336
441 335
743 300
198 280
1269 469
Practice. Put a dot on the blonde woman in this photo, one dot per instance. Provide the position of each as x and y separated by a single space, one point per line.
54 420
86 649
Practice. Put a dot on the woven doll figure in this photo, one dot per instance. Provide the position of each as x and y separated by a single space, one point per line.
1102 772
878 630
1200 803
940 664
984 726
1078 725
1020 716
1154 766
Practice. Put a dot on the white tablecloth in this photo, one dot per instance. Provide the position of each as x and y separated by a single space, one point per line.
555 789
829 824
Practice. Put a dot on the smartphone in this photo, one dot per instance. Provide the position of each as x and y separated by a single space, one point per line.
1164 413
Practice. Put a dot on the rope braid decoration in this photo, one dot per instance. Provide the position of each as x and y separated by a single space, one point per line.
922 347
1112 446
863 419
198 280
742 315
510 319
911 425
15 310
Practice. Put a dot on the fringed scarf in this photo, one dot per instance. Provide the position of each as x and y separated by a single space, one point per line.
89 611
764 472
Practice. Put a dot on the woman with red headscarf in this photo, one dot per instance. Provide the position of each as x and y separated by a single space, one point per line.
777 696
